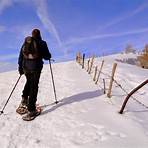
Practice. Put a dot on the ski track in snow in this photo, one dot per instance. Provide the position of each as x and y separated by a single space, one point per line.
84 118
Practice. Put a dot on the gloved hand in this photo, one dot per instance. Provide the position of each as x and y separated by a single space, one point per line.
21 72
49 57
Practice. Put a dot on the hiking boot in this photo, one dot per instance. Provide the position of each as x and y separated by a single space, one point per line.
31 115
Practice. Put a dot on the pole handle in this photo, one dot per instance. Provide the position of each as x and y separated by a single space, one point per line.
52 60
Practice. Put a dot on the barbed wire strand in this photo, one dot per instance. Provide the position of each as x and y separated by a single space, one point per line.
120 86
125 91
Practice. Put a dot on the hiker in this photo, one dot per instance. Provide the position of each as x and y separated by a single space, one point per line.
30 61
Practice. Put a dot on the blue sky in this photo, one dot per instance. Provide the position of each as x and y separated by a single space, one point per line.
90 26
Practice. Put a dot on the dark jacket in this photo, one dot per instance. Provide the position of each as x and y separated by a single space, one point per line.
26 65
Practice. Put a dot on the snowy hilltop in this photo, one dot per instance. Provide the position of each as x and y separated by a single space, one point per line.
85 117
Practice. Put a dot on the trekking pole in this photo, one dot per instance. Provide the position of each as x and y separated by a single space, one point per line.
56 101
2 111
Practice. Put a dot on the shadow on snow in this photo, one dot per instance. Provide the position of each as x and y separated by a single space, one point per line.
75 98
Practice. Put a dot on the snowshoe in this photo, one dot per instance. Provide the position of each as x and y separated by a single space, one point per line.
22 109
32 115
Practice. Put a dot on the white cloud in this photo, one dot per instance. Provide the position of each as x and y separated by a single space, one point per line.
22 31
100 36
2 28
122 18
4 4
113 22
42 13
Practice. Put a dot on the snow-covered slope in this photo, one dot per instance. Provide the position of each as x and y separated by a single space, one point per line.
85 117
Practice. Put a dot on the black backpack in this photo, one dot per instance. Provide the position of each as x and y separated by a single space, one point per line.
31 56
30 48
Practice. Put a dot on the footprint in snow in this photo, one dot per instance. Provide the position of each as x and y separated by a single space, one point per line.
121 135
79 132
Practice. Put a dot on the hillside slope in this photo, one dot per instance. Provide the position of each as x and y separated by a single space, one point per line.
85 117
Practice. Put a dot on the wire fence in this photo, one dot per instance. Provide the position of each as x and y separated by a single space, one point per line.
106 76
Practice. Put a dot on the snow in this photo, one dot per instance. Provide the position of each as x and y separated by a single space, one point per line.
85 117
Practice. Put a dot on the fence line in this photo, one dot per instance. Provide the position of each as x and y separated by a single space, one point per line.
109 77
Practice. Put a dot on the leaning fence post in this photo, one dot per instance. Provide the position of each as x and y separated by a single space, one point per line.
99 72
111 81
130 94
91 64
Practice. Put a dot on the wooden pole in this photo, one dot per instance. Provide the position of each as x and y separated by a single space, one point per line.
112 79
76 57
88 64
99 72
130 94
91 64
104 86
94 79
83 61
79 57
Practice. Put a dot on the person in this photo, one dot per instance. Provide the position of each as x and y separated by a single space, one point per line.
30 62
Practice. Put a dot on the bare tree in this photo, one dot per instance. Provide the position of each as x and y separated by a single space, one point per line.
145 50
143 58
129 49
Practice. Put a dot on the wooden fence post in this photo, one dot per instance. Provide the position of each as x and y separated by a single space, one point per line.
83 61
91 64
88 62
79 57
104 86
111 81
99 72
94 79
131 93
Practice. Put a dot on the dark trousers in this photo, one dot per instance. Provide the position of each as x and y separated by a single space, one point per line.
31 89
